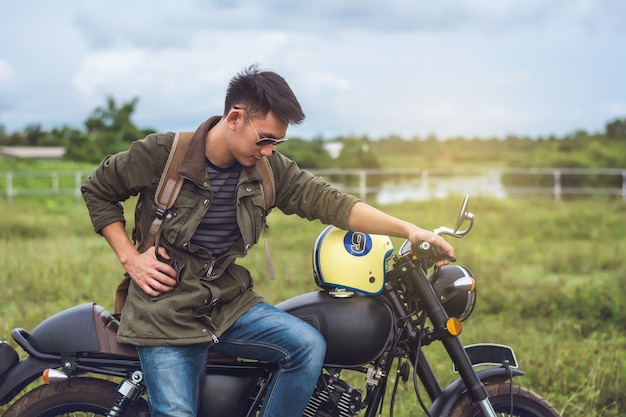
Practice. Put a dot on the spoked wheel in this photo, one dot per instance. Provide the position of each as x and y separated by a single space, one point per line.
525 402
75 397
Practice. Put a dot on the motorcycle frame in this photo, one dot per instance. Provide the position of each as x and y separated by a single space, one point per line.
470 380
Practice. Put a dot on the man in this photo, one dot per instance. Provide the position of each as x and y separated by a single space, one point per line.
187 294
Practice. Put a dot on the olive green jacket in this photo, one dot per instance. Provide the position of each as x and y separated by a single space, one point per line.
211 293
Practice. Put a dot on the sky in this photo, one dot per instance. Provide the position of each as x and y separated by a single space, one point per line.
413 68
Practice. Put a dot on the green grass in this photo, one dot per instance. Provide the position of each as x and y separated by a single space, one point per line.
551 283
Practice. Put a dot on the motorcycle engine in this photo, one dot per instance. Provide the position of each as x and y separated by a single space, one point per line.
333 398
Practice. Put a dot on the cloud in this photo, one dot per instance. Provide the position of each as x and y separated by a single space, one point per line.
461 67
483 16
6 72
158 25
155 25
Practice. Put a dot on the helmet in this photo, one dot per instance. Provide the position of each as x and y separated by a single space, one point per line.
351 260
455 286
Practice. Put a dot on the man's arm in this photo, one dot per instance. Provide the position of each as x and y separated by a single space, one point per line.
367 219
151 275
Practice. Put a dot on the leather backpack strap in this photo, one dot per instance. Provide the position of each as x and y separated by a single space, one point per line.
169 185
167 191
170 182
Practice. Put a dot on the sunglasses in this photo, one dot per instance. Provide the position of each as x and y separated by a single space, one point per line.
261 141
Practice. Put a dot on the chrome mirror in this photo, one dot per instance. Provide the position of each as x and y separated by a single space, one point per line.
464 215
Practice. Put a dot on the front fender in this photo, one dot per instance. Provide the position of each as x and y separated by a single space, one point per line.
449 396
20 375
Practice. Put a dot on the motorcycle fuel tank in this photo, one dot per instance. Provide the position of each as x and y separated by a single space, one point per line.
356 328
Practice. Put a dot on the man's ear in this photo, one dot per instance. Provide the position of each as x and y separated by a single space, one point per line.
233 117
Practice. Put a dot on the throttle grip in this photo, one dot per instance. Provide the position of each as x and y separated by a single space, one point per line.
429 253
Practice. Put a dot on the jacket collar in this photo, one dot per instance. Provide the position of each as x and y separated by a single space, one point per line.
193 166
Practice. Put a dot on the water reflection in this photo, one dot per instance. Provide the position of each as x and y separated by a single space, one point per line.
436 188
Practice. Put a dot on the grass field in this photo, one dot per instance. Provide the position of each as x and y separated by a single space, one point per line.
551 283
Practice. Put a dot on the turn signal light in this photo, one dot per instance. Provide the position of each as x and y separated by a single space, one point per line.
464 283
51 376
454 326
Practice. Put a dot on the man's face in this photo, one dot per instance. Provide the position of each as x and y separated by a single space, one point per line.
256 136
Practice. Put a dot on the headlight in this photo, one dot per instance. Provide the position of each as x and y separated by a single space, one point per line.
456 289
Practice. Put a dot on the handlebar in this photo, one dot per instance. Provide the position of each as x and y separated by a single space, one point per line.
429 254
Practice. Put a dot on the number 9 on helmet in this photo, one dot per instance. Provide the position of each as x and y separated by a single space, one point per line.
351 260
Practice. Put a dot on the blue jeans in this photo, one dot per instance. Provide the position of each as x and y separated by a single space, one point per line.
173 374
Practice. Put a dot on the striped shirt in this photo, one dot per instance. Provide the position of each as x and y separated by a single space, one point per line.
219 230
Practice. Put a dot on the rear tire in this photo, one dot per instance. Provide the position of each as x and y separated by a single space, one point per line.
74 396
526 403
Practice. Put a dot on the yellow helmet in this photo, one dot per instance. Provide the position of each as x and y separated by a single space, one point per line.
351 260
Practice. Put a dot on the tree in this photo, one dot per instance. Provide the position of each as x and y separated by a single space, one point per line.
616 129
308 154
77 146
4 137
357 153
111 118
109 130
34 134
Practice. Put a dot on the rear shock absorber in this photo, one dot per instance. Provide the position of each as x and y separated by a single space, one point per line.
127 392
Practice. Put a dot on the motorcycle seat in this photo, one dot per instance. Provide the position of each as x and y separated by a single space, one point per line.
106 332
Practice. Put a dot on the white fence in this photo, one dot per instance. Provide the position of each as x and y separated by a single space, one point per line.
41 183
389 186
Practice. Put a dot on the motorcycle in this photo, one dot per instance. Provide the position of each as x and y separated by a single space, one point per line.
375 308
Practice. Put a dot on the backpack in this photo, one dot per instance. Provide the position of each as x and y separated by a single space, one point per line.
167 191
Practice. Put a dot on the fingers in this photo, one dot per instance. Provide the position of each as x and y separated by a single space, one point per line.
154 287
445 247
434 239
153 276
162 252
441 244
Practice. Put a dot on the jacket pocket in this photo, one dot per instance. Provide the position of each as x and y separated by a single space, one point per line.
235 280
253 221
184 216
178 267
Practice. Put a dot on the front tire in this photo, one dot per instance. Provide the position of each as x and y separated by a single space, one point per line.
76 397
526 403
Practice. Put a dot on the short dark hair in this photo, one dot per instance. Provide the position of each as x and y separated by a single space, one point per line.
261 92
